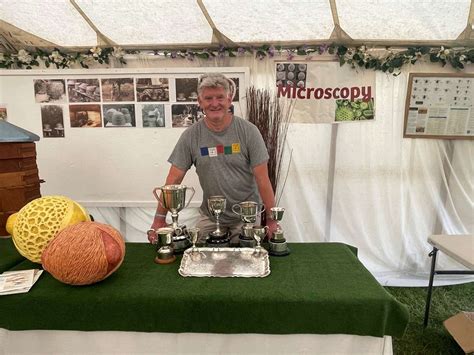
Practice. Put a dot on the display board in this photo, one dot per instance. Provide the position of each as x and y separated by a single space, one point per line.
325 92
439 106
106 134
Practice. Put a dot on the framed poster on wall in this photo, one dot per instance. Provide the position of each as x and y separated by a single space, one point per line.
325 92
439 106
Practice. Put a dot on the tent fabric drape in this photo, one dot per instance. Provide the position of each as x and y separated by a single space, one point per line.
386 193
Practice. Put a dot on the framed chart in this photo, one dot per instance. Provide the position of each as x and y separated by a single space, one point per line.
439 106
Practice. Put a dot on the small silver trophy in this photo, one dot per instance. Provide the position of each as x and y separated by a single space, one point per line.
259 233
165 254
248 212
277 242
218 237
173 198
194 236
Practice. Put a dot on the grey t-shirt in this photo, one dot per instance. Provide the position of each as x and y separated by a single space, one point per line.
223 161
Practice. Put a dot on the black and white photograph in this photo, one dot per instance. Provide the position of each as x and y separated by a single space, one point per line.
118 89
85 116
153 89
234 89
119 115
52 121
83 90
153 115
185 115
50 91
186 89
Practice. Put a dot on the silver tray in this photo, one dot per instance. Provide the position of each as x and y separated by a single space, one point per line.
225 262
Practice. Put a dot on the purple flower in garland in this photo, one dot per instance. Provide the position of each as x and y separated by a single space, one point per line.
190 56
271 51
221 52
173 55
240 51
323 48
290 54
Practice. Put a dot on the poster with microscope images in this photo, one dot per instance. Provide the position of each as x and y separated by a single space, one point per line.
291 74
325 92
440 106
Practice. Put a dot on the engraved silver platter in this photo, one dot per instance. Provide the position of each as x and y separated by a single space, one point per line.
225 262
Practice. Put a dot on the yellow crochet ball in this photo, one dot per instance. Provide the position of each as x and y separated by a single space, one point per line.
84 253
10 223
40 220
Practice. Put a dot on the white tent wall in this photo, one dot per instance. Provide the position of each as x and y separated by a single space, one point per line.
359 183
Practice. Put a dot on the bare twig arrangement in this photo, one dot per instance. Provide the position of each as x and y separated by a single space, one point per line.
272 116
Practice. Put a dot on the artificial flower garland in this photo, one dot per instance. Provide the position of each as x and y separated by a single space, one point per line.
391 60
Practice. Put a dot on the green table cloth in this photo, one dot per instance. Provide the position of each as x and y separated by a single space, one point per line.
9 256
320 288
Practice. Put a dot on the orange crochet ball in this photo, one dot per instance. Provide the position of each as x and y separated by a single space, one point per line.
84 253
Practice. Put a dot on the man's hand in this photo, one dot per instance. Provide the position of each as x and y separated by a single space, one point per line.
272 227
152 238
158 223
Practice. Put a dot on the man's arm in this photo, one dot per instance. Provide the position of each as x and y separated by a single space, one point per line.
175 176
266 193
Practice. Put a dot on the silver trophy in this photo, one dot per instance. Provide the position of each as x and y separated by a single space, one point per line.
196 254
248 212
173 198
216 206
277 242
218 237
259 233
165 253
194 236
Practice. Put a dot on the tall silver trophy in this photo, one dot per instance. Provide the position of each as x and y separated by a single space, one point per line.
277 242
173 198
248 211
219 237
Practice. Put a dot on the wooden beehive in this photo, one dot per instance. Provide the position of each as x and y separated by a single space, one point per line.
19 180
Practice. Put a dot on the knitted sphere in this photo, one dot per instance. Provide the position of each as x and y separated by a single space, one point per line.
40 220
84 253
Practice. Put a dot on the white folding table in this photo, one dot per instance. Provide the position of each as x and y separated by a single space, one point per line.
458 247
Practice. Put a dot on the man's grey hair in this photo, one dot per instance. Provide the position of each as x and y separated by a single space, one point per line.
213 80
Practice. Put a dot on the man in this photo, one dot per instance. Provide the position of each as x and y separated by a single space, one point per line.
229 155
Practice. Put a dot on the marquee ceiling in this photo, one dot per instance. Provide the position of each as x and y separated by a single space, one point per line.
133 24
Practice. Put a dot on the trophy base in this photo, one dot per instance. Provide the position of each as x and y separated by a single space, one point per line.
165 261
245 242
218 241
180 244
278 247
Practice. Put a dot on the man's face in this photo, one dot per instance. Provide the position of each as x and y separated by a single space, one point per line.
214 102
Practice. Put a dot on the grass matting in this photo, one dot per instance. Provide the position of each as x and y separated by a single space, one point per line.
446 301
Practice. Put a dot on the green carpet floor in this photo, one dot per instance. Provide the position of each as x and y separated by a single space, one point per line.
435 339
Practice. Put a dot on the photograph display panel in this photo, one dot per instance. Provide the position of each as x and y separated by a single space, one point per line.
163 100
127 142
439 106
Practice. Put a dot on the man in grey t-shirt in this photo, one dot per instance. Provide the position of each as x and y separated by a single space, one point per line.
229 155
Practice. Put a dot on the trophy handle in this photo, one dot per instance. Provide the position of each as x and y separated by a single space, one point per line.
178 231
240 209
194 191
262 208
266 230
158 196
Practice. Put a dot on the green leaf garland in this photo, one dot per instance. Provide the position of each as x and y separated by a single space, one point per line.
389 60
